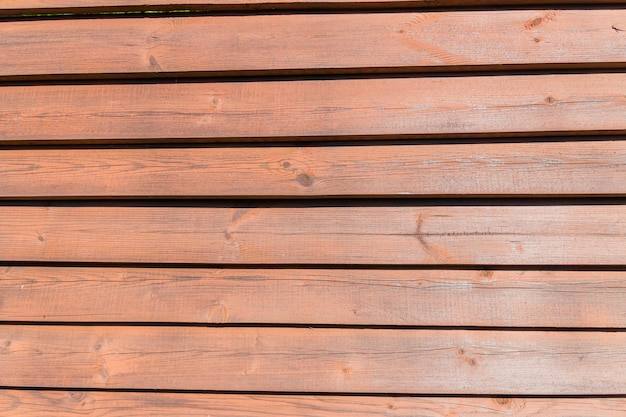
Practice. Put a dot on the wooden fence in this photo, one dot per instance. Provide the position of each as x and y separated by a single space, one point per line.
312 208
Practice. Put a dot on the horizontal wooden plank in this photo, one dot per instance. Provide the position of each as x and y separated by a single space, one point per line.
574 299
406 107
495 169
314 360
17 7
15 403
463 235
279 43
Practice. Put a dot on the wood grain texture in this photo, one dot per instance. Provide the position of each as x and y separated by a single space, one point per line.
356 297
16 7
15 403
314 360
480 235
520 169
407 107
357 42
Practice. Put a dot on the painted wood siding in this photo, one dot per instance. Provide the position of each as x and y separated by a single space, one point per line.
312 208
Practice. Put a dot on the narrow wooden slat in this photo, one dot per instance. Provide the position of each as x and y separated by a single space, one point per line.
480 235
314 360
357 297
16 7
408 107
361 42
15 403
521 169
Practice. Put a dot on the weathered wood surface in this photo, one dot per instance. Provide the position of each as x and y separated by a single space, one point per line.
319 43
406 107
573 299
494 169
258 323
15 403
16 7
314 360
405 235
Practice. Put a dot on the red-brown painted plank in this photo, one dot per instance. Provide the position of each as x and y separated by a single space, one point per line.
405 235
314 360
496 169
15 403
12 7
407 107
355 42
572 299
